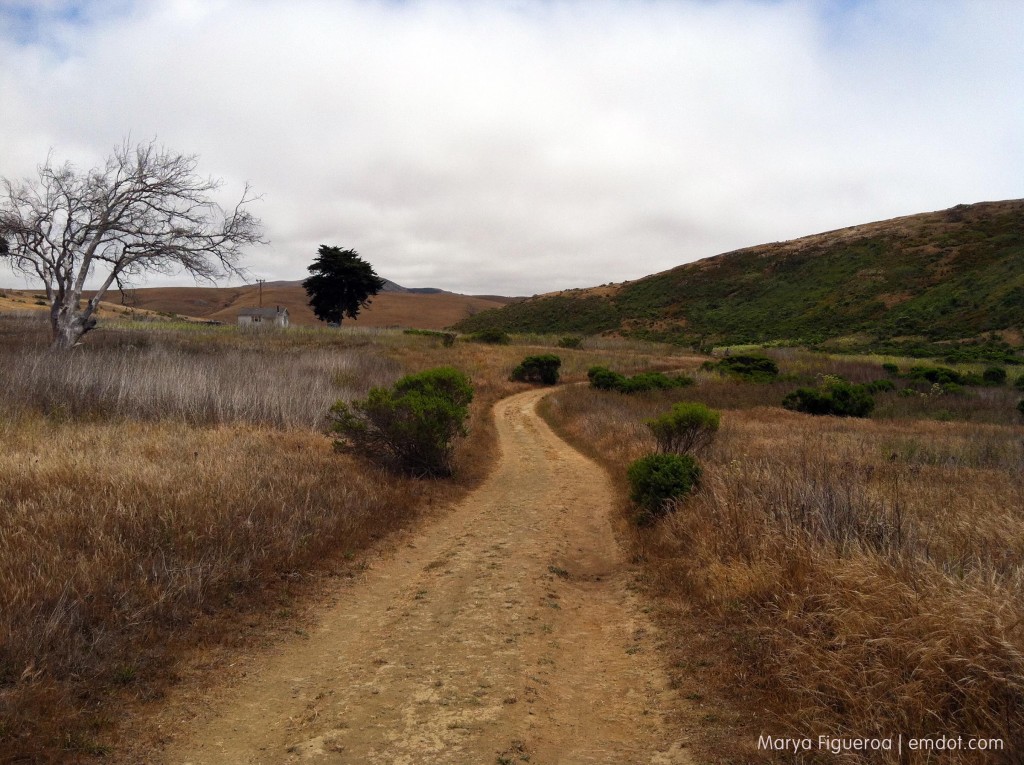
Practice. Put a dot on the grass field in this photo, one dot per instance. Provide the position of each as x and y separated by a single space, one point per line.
165 482
861 577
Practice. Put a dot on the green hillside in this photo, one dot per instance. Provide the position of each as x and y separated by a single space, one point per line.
908 283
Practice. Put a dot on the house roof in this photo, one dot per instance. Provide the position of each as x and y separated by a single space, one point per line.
265 313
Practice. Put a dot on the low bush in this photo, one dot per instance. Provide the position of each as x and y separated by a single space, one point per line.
880 386
657 479
943 375
752 368
492 336
412 426
603 378
687 427
646 381
1019 385
938 375
891 369
994 376
1020 407
570 341
541 369
447 338
833 397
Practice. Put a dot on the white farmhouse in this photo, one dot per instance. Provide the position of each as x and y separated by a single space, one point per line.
259 318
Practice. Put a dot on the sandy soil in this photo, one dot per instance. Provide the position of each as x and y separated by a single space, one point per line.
505 631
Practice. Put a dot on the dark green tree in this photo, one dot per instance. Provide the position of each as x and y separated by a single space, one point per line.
341 284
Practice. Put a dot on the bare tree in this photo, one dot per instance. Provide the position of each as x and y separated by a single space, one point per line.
145 211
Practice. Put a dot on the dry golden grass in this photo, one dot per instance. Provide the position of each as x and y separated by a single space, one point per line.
157 383
118 536
868 575
162 479
29 302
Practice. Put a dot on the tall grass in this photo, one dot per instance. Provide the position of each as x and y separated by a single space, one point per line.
162 476
115 538
151 482
281 389
869 574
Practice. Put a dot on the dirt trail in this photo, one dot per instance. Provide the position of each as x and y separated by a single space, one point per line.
505 632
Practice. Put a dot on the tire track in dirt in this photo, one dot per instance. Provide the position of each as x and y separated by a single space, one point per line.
506 630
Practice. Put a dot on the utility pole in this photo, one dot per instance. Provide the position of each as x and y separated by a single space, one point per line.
260 282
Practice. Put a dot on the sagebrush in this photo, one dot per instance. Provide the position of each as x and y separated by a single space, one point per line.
411 426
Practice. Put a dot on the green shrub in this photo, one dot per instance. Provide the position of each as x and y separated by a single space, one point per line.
412 426
603 378
492 336
937 375
687 427
646 381
1020 407
656 479
880 386
538 369
891 369
447 338
838 397
570 341
1020 383
752 368
994 376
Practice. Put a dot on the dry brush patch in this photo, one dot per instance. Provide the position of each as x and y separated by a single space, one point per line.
162 478
153 481
868 573
117 537
282 390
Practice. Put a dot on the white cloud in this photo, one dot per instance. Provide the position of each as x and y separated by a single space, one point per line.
517 148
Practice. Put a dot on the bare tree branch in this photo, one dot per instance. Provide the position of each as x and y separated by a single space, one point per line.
146 210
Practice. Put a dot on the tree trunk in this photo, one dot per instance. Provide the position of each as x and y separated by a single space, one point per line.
67 325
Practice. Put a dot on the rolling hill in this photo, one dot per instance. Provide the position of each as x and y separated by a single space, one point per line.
916 283
395 307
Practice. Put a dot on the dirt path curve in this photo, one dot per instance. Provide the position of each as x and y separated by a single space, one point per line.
506 632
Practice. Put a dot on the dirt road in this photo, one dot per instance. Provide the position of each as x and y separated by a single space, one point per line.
504 632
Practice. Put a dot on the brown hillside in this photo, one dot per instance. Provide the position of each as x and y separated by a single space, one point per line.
17 301
388 309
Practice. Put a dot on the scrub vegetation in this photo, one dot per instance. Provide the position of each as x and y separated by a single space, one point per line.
166 483
170 485
862 576
948 284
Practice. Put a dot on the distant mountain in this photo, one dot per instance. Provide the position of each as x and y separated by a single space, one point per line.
389 286
912 282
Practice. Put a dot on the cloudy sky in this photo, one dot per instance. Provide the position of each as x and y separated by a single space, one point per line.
523 146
